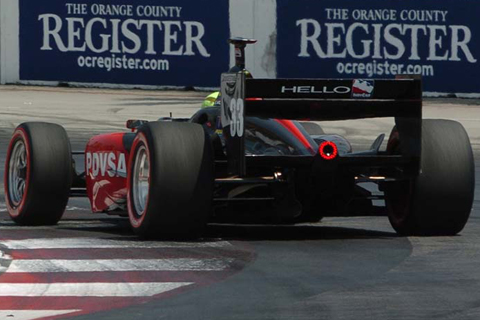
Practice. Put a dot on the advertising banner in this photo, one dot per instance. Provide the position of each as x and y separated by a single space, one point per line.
141 42
437 39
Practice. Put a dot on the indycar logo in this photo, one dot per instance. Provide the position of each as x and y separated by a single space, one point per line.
106 163
362 88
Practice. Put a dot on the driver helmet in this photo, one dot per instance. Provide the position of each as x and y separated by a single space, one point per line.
212 100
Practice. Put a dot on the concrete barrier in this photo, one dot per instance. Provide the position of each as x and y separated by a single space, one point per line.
9 48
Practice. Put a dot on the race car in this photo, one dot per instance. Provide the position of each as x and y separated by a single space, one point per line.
256 156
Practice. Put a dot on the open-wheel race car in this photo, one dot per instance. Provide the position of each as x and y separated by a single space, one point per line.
257 156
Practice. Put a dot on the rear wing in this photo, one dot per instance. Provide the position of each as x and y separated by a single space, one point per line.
317 100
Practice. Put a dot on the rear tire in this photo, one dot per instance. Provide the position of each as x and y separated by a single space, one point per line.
312 128
438 202
38 173
170 180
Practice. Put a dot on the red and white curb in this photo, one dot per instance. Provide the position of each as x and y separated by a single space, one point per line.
59 277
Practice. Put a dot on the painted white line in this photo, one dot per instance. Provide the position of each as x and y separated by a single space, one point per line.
32 314
143 289
95 243
182 264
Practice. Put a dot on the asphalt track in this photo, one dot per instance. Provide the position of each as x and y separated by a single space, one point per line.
341 268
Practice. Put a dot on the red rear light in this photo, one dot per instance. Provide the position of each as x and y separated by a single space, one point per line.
328 150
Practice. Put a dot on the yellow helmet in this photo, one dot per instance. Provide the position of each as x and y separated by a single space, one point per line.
210 100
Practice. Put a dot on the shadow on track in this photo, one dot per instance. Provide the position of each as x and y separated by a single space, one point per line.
292 232
120 227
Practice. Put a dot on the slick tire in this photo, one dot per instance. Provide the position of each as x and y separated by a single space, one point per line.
312 128
170 180
439 200
38 173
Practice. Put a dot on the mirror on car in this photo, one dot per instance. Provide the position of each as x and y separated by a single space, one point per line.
135 123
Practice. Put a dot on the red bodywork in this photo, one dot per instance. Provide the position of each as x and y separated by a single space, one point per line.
106 163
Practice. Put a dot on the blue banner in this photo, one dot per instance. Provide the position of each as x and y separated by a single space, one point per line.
145 42
438 39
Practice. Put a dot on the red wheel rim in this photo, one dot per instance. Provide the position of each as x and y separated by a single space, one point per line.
136 218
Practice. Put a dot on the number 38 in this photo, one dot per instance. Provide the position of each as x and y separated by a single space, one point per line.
237 121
